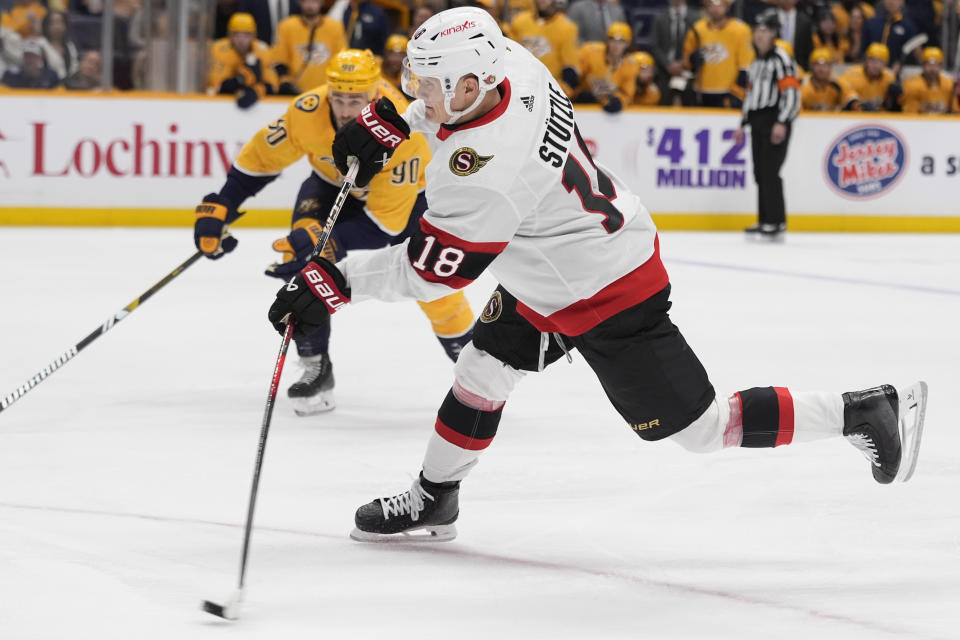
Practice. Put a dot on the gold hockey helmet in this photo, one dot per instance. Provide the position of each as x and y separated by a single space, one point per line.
242 22
396 43
620 31
353 71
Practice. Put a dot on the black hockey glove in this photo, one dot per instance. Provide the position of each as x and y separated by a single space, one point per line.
247 98
288 89
309 298
570 76
613 105
209 229
371 138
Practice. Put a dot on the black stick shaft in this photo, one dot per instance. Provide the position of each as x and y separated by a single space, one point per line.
278 369
68 355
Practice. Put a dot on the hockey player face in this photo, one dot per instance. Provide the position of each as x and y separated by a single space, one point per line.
821 71
616 47
931 69
310 8
392 61
242 41
873 67
347 106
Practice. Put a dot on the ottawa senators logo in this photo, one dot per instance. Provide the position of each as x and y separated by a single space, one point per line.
466 161
491 310
308 103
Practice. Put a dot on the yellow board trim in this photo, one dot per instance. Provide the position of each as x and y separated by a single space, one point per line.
95 217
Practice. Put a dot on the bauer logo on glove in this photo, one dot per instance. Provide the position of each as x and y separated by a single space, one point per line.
309 298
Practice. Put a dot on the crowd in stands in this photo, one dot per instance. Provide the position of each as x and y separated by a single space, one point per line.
853 54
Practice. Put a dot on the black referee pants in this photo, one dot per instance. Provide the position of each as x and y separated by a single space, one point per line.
767 160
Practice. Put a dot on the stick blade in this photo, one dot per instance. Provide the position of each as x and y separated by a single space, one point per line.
230 610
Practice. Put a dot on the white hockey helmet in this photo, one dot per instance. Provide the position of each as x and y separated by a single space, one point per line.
449 45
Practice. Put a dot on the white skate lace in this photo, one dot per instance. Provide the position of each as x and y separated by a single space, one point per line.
311 370
866 446
407 502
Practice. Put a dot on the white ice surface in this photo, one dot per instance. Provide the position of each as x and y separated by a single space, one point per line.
124 476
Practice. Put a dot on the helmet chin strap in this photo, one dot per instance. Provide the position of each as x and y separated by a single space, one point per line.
456 115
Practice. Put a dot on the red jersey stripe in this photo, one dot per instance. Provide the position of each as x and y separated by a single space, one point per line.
581 316
460 440
449 240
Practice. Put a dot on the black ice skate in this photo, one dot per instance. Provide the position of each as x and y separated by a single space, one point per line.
453 346
886 425
767 232
424 513
313 392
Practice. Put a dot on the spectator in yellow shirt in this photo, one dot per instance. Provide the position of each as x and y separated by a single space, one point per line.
647 92
607 76
240 64
718 50
552 37
305 44
874 84
820 91
932 91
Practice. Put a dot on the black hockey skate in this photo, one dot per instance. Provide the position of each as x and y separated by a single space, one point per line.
767 232
453 346
424 513
886 426
313 392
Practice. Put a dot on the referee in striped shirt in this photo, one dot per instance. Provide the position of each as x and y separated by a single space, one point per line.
770 106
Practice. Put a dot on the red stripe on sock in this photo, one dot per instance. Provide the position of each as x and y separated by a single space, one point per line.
785 429
460 440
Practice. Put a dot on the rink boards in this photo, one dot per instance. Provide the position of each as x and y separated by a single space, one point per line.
147 159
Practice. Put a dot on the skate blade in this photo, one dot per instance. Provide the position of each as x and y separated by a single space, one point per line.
433 533
913 409
766 238
320 403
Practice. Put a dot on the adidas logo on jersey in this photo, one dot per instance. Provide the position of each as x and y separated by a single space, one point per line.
527 102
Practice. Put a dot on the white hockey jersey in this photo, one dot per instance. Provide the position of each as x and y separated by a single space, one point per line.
517 191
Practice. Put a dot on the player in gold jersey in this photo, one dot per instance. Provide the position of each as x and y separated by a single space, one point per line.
552 37
394 51
874 84
647 93
820 91
932 91
718 50
240 64
607 75
305 44
384 212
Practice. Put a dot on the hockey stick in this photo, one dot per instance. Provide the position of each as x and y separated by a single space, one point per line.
68 355
230 610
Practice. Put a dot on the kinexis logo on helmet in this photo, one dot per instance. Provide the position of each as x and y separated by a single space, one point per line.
469 24
466 161
865 161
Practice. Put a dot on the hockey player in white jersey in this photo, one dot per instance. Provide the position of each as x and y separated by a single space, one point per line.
512 187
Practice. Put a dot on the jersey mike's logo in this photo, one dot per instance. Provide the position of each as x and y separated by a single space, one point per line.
466 161
865 161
